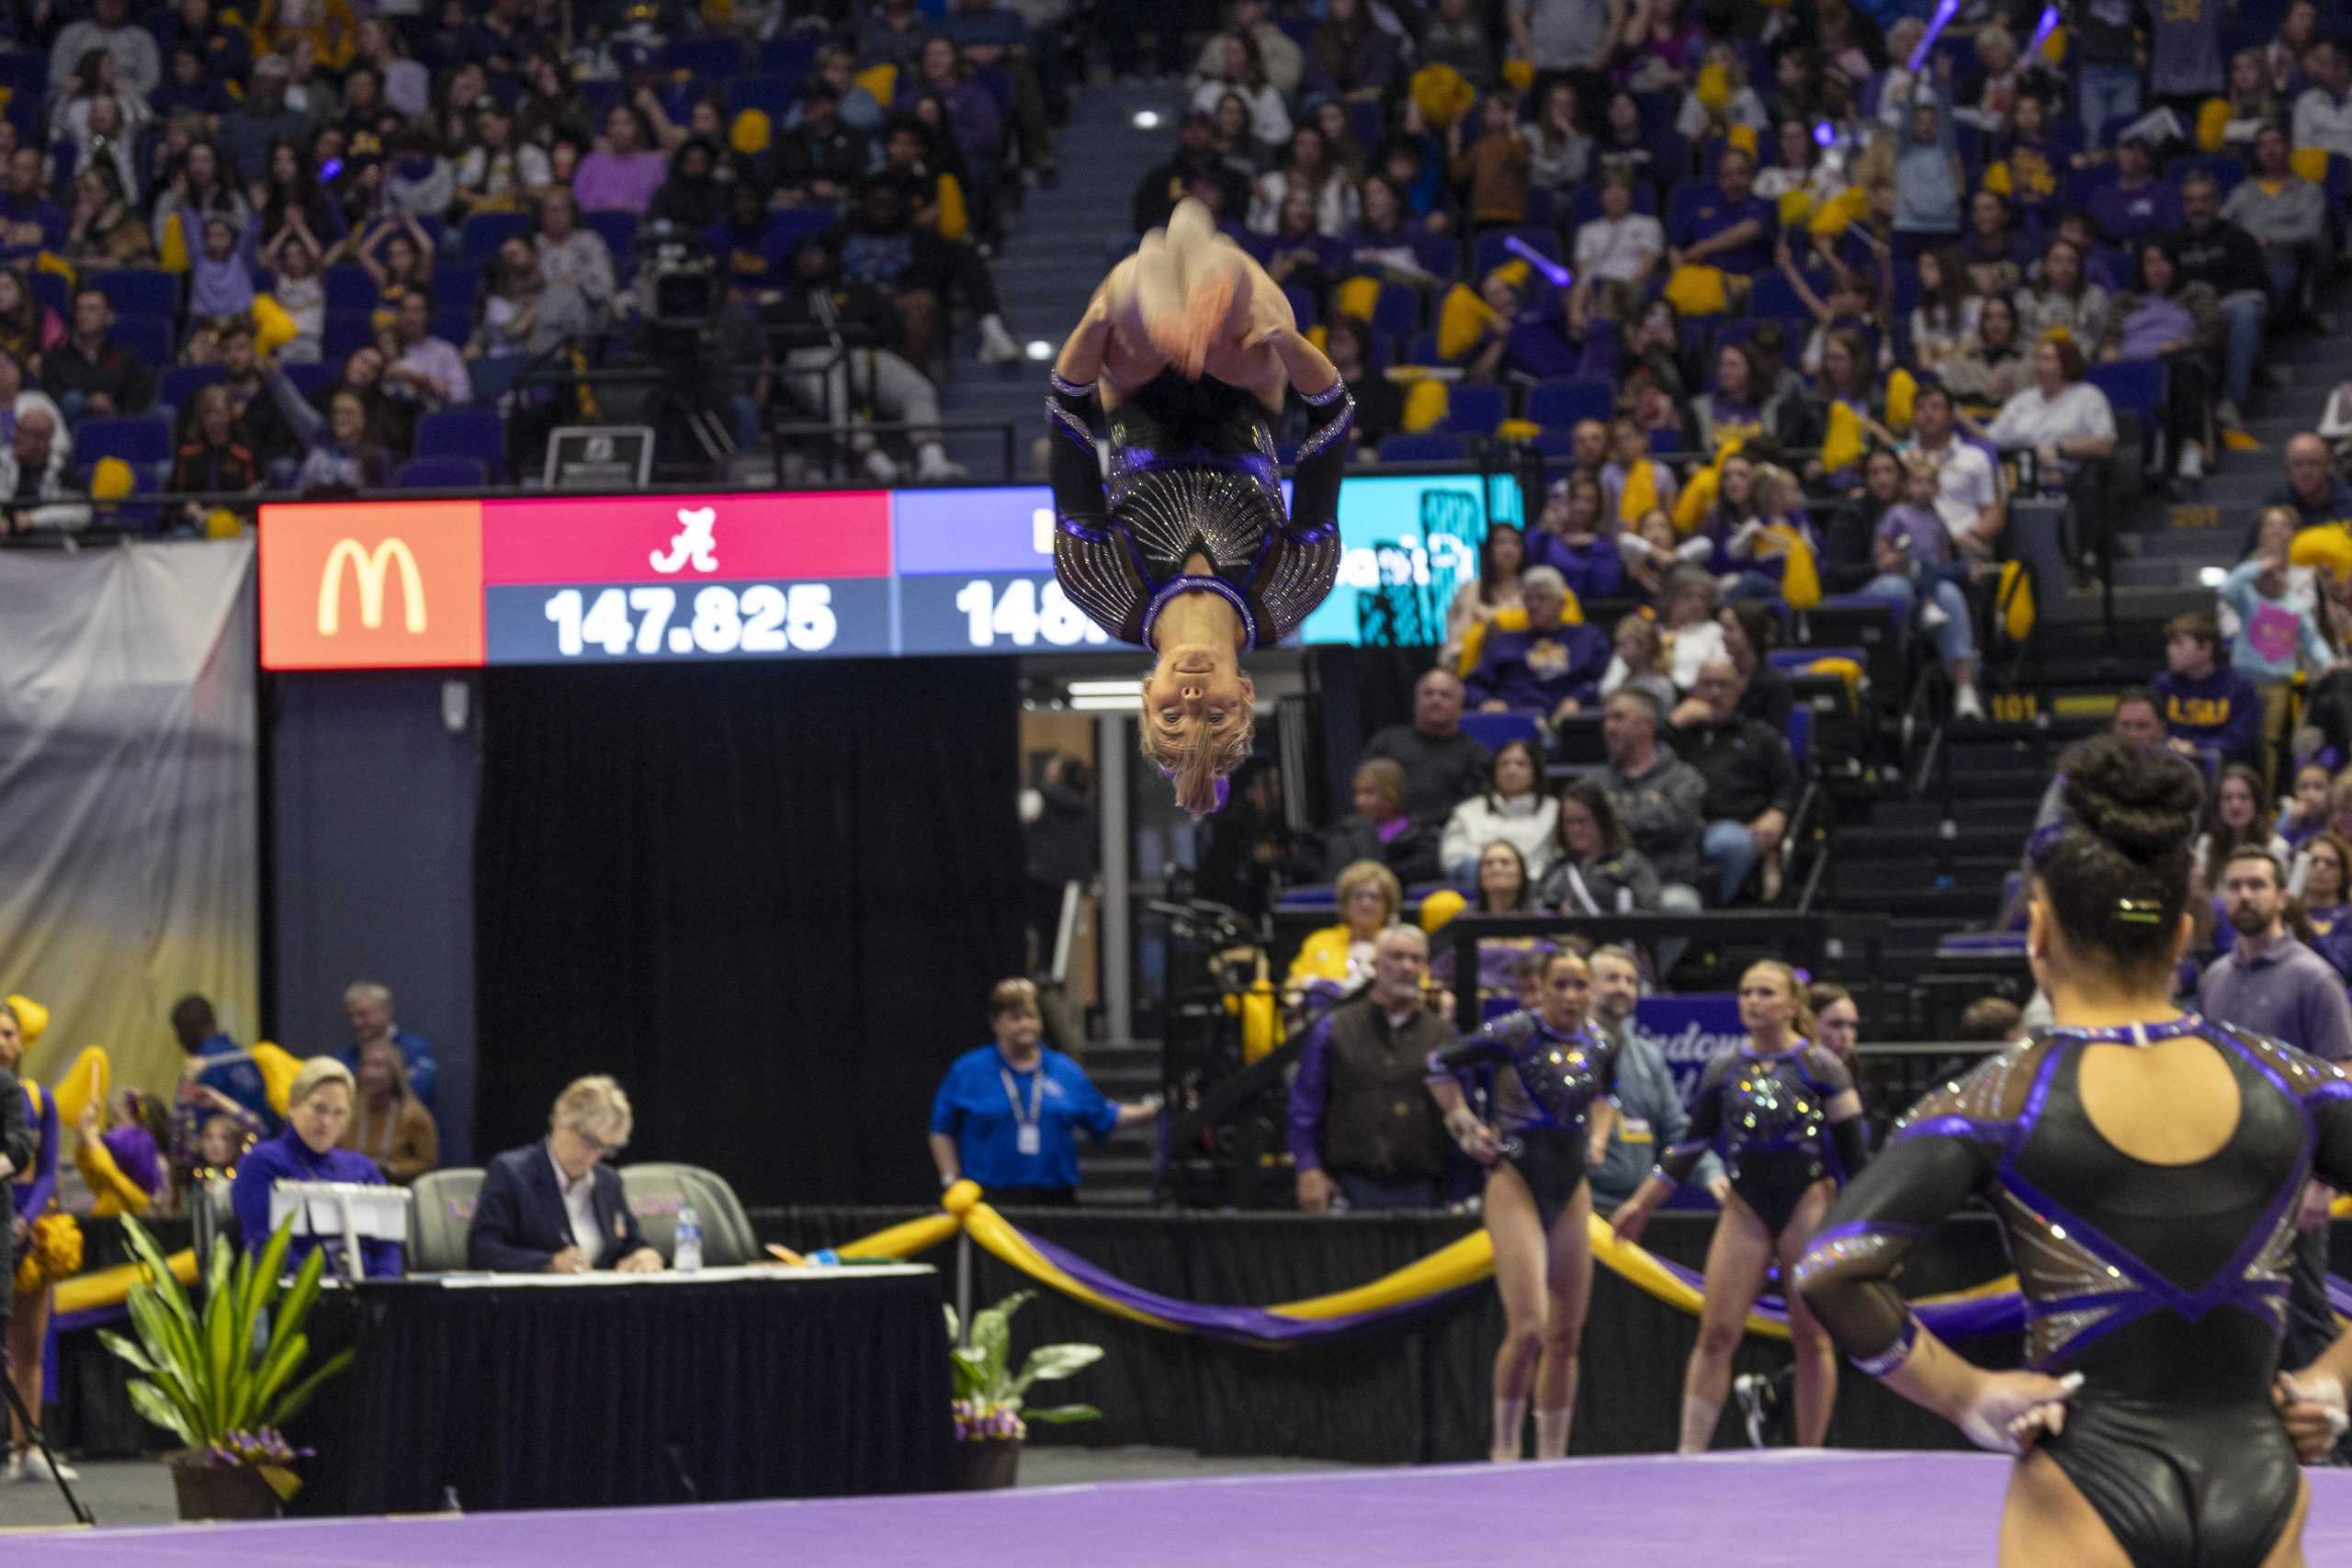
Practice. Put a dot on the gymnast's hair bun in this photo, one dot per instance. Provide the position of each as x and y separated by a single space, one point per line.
2141 802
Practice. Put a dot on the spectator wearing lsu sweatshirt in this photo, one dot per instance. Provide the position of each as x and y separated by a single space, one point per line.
1544 663
2207 706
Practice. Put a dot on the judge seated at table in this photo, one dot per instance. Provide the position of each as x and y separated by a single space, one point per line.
318 1108
554 1207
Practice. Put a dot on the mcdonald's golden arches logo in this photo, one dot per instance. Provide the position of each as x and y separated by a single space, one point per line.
371 586
370 567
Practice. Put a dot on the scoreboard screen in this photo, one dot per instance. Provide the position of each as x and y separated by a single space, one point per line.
812 574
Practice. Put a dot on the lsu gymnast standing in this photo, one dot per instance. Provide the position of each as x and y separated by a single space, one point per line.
1550 1117
1789 1124
1191 347
2147 1164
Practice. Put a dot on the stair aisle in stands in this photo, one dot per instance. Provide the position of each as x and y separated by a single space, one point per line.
2166 544
1058 245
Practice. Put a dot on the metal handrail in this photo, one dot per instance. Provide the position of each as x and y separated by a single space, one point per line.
1814 935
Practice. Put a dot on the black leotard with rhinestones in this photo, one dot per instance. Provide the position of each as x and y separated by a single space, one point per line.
1542 1105
1193 472
2164 1286
1768 1116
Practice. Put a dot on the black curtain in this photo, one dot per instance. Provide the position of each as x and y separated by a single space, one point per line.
1360 689
769 898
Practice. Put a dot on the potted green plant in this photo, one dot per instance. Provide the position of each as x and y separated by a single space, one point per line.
219 1380
991 1408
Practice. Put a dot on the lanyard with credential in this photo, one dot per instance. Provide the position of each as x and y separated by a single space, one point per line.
1025 1137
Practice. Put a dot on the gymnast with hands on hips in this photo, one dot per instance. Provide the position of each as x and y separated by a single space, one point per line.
1790 1126
1550 1116
1190 348
2147 1165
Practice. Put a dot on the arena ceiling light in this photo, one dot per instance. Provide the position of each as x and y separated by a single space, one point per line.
1146 120
1128 704
1106 688
1040 350
2212 576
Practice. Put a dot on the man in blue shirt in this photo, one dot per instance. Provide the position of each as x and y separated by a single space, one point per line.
367 1006
201 1037
1007 1114
1730 227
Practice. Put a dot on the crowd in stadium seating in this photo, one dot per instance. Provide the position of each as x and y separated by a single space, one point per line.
1903 291
364 228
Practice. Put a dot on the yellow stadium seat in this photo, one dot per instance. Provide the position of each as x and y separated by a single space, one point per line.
1425 406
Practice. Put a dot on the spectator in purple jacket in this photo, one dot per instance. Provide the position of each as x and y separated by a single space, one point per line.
625 170
1546 665
972 114
1353 1146
2138 203
1574 538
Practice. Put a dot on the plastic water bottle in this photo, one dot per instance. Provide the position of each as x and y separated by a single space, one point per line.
688 1252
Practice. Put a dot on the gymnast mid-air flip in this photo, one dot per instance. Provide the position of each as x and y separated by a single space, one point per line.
1188 551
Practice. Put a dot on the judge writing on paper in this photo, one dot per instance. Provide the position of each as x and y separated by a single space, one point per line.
555 1207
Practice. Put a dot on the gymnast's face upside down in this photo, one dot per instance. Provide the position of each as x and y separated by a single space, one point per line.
1198 709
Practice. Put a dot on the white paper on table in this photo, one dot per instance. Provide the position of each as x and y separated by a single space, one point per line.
771 1271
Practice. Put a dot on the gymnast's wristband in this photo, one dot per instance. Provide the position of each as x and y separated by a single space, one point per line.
1895 1354
1070 389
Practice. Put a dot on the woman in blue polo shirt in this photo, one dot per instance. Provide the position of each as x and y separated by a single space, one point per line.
1007 1114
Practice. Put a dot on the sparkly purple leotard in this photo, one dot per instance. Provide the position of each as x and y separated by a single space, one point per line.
2164 1286
1192 471
1770 1116
1542 1106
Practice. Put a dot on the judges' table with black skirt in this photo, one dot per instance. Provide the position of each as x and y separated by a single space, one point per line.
525 1391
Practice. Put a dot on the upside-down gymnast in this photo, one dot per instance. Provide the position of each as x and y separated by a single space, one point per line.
1191 347
1551 1116
1789 1122
2147 1164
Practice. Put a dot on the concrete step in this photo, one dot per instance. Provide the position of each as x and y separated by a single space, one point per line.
1969 841
2133 602
2195 546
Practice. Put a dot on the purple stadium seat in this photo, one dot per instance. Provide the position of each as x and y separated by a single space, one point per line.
138 293
149 337
440 473
180 384
1473 410
476 432
485 231
1558 405
141 440
1492 730
1431 447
